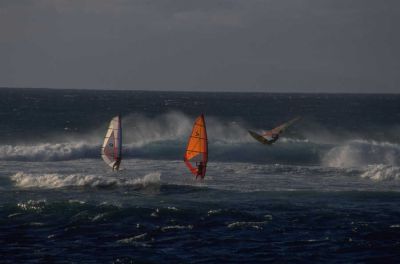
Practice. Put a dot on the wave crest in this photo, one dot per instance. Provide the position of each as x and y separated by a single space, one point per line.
361 153
48 152
382 173
55 180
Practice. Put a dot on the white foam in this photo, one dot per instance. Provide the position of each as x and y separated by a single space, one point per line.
47 151
294 140
55 180
172 208
356 153
32 205
149 179
135 241
14 215
176 227
214 212
255 225
99 217
382 173
132 240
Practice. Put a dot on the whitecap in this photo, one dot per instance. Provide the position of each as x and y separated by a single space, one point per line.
176 227
129 240
255 225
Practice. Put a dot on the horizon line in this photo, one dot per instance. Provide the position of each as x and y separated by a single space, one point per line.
202 91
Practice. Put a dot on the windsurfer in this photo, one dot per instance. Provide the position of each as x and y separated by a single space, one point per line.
116 164
275 137
200 168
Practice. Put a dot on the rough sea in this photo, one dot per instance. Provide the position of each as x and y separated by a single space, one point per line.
328 191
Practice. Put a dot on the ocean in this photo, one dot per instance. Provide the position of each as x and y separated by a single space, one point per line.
328 191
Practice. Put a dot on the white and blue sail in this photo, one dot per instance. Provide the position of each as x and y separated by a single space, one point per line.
112 146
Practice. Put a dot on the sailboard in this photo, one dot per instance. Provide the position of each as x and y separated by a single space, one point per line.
196 154
112 145
270 136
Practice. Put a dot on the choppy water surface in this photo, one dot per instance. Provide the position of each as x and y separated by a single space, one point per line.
328 191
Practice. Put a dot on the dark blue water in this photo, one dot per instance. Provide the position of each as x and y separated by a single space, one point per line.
327 191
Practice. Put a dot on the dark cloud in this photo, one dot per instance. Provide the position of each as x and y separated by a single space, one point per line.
252 45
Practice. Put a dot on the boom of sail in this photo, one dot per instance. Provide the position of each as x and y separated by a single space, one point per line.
196 155
112 146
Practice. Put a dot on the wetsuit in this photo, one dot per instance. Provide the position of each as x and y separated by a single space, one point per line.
116 164
275 137
200 170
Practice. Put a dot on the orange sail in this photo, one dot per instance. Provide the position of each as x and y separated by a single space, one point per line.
196 155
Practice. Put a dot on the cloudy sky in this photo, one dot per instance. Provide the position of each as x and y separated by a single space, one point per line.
202 45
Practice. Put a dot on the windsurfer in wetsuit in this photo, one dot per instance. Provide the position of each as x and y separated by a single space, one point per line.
274 137
116 164
200 168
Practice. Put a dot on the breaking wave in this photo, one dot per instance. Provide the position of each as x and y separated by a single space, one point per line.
49 152
160 137
382 173
285 151
164 137
357 153
55 180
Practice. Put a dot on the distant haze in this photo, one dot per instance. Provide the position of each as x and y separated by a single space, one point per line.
208 45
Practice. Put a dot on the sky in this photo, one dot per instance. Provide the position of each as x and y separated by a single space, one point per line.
318 46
